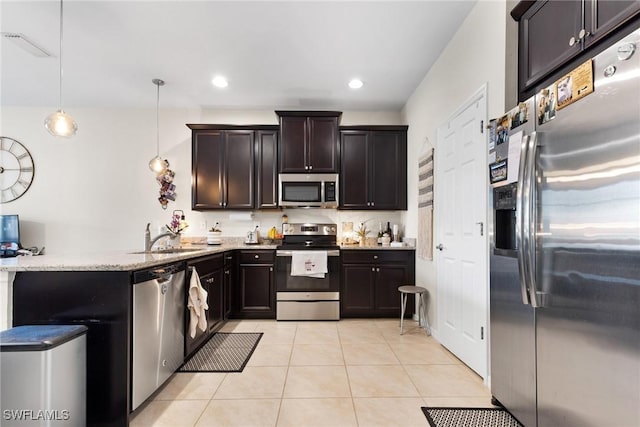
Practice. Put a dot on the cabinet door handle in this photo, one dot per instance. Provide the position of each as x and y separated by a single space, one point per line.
256 256
377 270
227 272
270 268
220 203
581 35
310 167
373 269
375 257
440 247
373 204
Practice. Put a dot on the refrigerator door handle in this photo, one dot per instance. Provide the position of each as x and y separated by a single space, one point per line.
520 213
531 220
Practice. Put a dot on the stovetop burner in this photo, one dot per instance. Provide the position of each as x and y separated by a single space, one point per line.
309 236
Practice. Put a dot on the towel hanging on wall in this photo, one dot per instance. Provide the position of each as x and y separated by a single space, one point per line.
425 205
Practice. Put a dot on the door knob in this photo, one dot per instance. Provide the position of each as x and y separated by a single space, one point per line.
440 247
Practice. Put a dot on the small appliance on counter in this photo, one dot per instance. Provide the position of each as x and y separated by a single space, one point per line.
9 235
253 237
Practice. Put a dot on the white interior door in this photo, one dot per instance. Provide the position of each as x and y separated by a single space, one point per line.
461 243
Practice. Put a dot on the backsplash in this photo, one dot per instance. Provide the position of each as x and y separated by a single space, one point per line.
232 226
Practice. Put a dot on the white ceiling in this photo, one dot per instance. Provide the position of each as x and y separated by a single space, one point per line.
290 54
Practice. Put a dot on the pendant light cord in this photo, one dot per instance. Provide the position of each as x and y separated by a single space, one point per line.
61 21
158 120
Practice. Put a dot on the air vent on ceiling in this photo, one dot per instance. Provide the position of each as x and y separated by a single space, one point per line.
25 44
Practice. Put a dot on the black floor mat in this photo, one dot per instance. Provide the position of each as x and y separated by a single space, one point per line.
469 417
224 352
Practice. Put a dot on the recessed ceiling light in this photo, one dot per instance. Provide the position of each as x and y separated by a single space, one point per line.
220 81
355 84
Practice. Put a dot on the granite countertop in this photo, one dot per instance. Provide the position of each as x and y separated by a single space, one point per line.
116 261
130 260
378 248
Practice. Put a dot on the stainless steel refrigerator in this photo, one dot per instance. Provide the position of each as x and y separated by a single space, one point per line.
565 257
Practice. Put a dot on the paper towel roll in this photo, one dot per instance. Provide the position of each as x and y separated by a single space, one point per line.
241 216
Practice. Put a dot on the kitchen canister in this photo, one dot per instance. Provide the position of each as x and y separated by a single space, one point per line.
214 237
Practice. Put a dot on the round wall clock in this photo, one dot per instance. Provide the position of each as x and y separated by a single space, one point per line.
16 169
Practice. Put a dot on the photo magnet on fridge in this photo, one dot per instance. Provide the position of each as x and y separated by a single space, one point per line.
498 171
575 85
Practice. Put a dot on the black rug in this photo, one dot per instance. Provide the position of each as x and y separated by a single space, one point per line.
469 417
224 352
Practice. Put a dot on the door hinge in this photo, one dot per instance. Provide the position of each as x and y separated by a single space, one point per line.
481 332
481 126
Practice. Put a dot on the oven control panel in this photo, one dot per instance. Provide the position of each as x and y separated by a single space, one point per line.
307 229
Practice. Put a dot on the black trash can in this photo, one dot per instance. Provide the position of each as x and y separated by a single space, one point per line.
43 379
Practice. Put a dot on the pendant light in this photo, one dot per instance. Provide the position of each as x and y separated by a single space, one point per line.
156 164
60 123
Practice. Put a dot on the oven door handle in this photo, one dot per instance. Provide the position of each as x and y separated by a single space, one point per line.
335 252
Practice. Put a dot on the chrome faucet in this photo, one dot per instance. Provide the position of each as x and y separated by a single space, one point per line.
149 242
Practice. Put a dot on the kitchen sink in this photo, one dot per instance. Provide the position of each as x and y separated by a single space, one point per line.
167 251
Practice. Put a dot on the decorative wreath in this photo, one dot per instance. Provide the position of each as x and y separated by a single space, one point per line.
167 188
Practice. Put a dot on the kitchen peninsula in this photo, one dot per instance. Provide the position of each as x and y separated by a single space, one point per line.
94 290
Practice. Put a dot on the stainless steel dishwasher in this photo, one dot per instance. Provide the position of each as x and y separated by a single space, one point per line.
158 328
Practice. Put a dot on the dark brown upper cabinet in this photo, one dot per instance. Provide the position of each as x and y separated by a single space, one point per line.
373 172
309 141
266 169
556 36
234 167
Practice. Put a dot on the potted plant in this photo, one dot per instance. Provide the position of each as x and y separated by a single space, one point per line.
362 233
176 227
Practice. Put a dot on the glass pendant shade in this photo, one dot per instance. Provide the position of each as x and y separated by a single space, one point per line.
60 123
158 165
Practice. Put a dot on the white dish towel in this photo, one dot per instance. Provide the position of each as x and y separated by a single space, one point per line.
197 304
309 263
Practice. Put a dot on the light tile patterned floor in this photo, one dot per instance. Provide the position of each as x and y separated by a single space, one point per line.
346 373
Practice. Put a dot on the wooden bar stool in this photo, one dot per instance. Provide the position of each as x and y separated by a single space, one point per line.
407 290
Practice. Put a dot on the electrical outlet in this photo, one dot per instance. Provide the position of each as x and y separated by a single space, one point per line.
203 224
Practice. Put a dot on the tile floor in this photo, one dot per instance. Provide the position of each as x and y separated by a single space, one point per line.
346 373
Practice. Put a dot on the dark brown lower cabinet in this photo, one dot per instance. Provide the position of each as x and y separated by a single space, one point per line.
370 281
229 276
211 273
255 290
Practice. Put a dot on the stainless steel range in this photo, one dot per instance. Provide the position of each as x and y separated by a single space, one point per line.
305 290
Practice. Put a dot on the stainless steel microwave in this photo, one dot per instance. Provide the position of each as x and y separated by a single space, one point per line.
308 190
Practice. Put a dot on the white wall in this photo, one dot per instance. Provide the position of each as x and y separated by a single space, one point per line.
95 193
474 56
